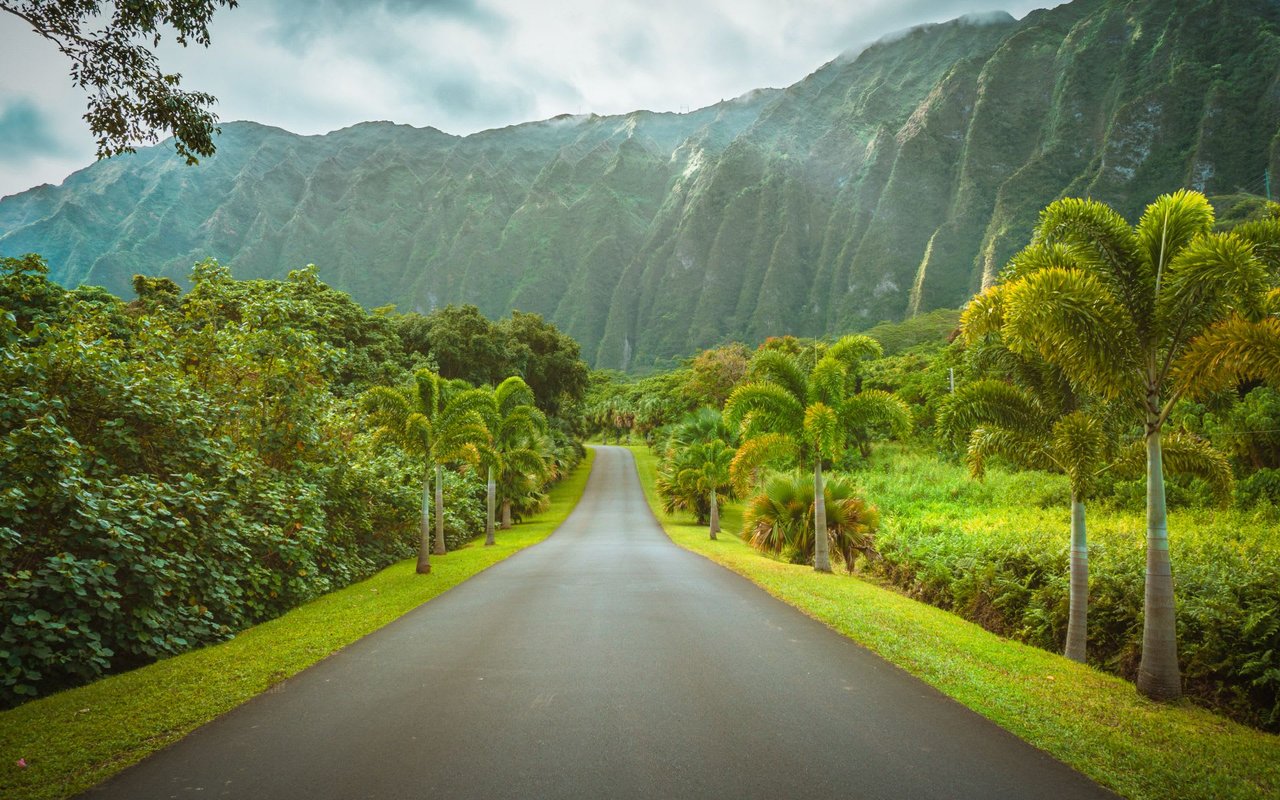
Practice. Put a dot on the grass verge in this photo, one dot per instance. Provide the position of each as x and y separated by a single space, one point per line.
1095 722
77 738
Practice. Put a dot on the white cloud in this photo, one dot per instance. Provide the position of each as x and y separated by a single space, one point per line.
466 65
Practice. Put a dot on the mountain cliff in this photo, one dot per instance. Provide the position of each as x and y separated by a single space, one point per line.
887 183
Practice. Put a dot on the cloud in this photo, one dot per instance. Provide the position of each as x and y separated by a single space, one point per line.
24 132
298 23
312 66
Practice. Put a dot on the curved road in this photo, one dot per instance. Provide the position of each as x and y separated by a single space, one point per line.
603 663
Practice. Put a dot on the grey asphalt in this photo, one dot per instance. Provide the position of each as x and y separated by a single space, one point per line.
603 663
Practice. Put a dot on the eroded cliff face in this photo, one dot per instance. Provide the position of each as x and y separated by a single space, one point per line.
882 185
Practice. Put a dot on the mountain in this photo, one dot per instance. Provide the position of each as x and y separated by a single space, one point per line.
885 184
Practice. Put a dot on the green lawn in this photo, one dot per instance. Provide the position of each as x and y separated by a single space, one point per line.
77 738
1095 722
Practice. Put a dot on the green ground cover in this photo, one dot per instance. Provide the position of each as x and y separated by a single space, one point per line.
77 738
1095 722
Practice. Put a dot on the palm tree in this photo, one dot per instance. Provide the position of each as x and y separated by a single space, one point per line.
515 455
780 517
436 421
1008 420
1115 308
693 477
786 411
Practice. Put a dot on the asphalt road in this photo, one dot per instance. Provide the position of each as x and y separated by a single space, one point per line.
603 663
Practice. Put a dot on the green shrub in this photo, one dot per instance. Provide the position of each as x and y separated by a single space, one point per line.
997 553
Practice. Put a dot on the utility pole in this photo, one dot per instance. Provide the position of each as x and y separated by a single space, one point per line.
1266 178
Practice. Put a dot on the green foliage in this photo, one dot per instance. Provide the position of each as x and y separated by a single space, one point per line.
464 345
994 553
811 410
130 99
932 329
693 467
183 467
779 519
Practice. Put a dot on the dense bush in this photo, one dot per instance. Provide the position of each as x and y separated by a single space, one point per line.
997 553
180 467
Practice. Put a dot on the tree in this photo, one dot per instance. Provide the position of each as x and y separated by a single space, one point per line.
788 412
130 98
437 421
780 518
515 455
1008 420
694 476
1115 308
714 373
463 344
548 360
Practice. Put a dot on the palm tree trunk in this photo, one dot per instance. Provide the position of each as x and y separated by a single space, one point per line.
1078 615
1158 675
715 515
506 513
440 549
424 546
490 491
821 552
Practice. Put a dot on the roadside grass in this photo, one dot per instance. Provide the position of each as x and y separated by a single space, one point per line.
1094 722
77 738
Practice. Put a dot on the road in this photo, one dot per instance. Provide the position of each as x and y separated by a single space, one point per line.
604 662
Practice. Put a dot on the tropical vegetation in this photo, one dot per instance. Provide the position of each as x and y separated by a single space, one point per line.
181 466
1099 343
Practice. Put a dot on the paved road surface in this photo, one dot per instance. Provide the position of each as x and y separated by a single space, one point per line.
603 663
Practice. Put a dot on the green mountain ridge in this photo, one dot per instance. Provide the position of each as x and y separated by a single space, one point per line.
883 185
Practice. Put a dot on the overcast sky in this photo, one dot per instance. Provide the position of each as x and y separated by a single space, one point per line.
312 66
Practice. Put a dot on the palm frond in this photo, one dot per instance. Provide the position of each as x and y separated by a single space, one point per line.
984 315
512 393
1078 445
782 369
990 440
462 404
876 407
427 389
1210 276
822 430
1037 256
387 405
1103 244
991 402
1072 320
1187 454
852 349
771 406
1230 352
754 453
1264 234
827 381
1170 224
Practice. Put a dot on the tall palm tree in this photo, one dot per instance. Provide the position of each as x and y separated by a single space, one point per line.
515 457
1008 420
436 421
786 411
1115 308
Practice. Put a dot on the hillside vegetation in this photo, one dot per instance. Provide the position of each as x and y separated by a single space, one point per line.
892 181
